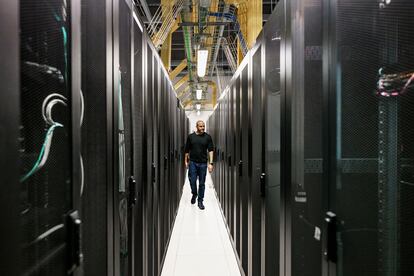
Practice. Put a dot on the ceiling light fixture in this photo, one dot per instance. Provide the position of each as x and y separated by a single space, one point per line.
198 106
202 55
198 113
199 94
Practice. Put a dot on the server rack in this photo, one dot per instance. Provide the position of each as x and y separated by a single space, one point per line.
96 194
50 137
374 152
337 160
139 157
9 133
88 150
273 84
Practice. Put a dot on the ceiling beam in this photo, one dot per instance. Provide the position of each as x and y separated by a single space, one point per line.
181 82
178 69
183 92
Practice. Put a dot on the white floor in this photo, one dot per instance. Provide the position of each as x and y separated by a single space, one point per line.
200 244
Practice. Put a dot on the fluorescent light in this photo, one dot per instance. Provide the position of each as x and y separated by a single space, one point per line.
198 106
199 94
137 20
202 56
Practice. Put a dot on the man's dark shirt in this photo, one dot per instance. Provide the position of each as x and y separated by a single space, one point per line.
197 146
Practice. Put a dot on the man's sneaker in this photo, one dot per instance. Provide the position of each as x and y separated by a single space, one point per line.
193 199
201 205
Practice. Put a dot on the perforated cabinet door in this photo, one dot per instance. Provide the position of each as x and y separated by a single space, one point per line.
124 119
139 149
306 137
372 192
246 159
49 136
257 167
273 39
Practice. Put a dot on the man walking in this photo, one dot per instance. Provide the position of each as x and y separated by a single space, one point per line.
196 147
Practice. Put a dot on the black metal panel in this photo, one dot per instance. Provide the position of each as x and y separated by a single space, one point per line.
230 160
257 179
150 162
139 150
245 157
110 137
238 157
9 133
155 141
94 139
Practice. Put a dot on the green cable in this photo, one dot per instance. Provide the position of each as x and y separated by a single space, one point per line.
42 151
188 51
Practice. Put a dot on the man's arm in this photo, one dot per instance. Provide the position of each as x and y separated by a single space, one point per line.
210 161
187 152
186 159
210 148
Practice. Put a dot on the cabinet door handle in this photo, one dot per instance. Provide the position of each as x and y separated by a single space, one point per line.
263 184
153 173
165 162
331 245
240 168
75 255
132 191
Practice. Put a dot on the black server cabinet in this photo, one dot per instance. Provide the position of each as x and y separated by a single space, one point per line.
96 128
274 72
226 158
230 159
124 183
9 133
138 74
371 160
163 165
238 158
155 194
257 188
245 165
234 160
150 179
306 92
49 137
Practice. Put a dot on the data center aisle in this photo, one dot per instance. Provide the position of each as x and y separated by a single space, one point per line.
200 243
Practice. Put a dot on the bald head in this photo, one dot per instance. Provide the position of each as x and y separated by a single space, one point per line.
199 122
200 126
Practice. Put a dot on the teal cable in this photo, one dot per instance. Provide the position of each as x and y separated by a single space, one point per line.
65 47
42 151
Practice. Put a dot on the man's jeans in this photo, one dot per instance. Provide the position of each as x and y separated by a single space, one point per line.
200 170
